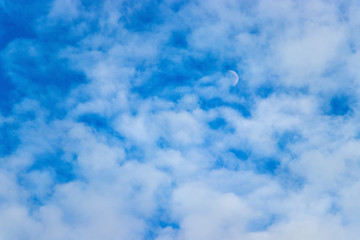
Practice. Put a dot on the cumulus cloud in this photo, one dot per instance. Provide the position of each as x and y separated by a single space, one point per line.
121 121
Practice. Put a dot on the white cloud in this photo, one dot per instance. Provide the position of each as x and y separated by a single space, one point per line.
175 156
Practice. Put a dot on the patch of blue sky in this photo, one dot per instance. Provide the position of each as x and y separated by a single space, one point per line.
334 208
38 194
272 87
266 90
163 143
202 65
142 17
340 105
235 159
261 224
171 73
8 94
267 165
154 230
161 220
61 169
98 123
178 39
134 152
9 138
218 102
269 87
243 160
40 178
229 163
290 181
218 123
344 9
16 23
36 64
241 154
33 71
287 138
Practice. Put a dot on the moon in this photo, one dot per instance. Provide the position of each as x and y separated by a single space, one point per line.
234 77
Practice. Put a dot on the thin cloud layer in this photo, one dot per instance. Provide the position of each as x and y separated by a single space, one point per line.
119 120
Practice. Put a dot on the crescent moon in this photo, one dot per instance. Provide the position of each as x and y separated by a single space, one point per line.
234 77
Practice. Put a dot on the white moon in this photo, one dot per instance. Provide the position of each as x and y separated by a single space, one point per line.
234 77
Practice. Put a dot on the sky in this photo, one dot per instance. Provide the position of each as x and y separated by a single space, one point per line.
122 120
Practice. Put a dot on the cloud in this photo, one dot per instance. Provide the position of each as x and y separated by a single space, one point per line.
120 120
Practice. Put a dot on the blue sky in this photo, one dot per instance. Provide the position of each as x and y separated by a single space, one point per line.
121 120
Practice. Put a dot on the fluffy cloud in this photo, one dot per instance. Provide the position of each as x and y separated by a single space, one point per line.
121 121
